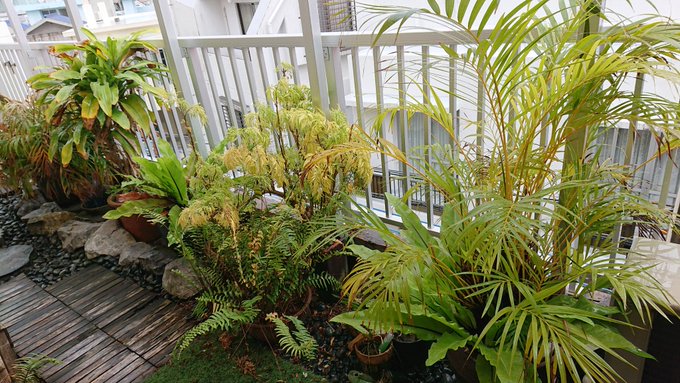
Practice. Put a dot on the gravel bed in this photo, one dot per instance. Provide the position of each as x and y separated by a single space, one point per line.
49 263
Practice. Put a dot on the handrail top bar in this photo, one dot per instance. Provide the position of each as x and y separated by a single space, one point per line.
365 39
254 41
47 44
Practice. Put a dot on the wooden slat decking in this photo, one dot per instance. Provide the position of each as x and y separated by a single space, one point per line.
104 328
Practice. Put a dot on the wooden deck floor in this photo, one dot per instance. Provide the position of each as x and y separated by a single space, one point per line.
104 328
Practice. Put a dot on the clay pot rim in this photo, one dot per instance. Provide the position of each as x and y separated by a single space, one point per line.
377 359
112 200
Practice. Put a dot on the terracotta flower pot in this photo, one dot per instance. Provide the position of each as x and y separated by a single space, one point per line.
366 359
138 226
266 332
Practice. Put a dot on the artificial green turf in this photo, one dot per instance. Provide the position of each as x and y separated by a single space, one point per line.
206 361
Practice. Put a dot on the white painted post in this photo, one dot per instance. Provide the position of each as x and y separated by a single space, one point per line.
76 20
309 17
20 35
178 71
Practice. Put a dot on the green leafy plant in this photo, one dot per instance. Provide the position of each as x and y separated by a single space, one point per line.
224 317
272 150
164 180
248 227
27 160
533 212
299 343
95 98
26 370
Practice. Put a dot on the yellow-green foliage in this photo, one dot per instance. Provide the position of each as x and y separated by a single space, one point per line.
275 149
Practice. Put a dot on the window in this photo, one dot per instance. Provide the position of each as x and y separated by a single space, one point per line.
54 11
240 117
337 15
246 11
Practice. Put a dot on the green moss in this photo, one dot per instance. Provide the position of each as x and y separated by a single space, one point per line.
207 361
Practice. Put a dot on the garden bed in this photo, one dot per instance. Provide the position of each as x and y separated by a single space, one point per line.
49 263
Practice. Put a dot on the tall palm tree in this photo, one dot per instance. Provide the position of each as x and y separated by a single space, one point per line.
535 211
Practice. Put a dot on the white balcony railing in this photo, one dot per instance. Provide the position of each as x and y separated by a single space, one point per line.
229 75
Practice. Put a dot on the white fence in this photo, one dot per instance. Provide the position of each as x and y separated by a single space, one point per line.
229 75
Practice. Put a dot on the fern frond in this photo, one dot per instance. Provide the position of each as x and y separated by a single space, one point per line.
299 343
226 318
26 369
323 281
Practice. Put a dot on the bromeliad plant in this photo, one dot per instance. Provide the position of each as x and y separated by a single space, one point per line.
534 211
95 98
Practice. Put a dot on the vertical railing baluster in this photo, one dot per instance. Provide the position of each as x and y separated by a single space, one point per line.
379 100
359 99
403 135
293 63
196 71
277 61
263 72
453 102
225 87
11 75
248 62
212 84
237 80
7 77
427 134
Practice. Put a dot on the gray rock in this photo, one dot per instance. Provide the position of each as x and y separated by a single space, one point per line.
74 234
2 238
149 258
49 207
26 206
13 258
179 280
109 240
47 219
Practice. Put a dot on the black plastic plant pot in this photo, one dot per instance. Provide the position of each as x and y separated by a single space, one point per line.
410 352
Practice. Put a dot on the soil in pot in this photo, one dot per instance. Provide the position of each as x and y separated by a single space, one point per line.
265 331
410 352
138 226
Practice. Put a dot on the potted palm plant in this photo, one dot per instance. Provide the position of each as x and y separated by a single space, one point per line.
533 212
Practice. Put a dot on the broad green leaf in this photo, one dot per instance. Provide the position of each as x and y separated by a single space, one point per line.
413 228
64 93
138 207
509 365
104 96
120 118
67 153
448 341
362 252
90 107
63 75
484 370
136 109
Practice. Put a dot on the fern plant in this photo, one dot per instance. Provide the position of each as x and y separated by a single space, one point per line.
27 369
299 343
224 317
